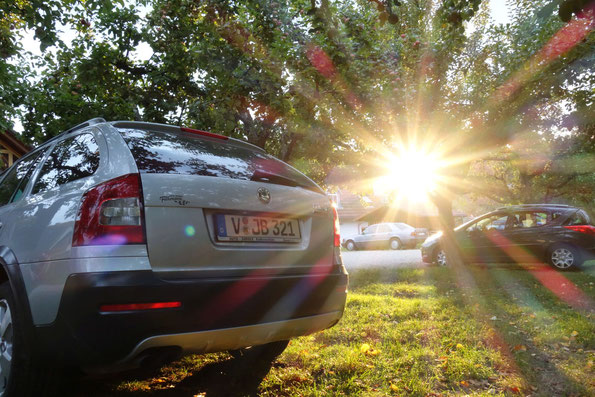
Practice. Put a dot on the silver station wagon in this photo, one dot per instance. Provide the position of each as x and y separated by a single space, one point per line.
128 242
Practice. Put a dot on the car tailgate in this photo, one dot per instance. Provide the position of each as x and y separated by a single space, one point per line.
180 222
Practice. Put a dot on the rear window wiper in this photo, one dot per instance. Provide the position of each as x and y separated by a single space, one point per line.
270 177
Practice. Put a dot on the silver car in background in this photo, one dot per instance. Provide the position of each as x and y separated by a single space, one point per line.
386 235
127 242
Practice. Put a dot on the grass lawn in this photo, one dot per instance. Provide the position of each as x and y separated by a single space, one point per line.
478 330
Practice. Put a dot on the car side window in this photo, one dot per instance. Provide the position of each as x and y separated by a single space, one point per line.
524 220
494 222
72 159
25 181
370 229
13 181
383 229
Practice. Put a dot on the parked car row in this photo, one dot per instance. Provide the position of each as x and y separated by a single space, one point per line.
561 235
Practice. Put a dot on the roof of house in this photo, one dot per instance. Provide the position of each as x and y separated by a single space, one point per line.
350 206
11 141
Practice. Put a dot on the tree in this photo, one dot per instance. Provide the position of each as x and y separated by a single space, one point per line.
325 83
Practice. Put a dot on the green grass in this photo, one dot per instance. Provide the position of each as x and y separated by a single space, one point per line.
492 330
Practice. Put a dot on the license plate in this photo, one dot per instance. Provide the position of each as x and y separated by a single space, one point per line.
257 229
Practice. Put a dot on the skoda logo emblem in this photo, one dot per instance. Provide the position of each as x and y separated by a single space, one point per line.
264 195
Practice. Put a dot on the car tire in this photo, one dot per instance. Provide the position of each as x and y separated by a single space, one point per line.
564 257
440 257
21 371
395 244
350 245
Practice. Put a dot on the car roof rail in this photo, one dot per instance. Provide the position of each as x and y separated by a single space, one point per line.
87 123
534 205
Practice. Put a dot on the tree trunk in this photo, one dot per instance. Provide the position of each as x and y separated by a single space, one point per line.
447 224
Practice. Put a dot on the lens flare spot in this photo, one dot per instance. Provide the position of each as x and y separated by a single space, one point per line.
190 231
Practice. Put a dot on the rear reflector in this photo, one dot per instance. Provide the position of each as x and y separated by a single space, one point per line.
111 214
586 229
336 228
204 133
127 307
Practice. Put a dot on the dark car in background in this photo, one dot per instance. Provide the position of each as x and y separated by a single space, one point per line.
558 234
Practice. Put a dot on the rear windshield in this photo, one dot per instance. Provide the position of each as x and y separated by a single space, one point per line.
158 152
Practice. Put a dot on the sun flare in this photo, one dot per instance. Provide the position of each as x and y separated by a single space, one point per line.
411 174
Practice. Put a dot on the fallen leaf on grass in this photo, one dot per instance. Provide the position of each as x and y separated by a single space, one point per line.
373 352
364 348
394 387
368 350
520 348
459 346
464 383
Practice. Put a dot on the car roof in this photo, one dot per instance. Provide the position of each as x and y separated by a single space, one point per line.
141 125
521 207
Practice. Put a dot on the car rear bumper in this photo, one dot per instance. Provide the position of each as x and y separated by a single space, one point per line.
216 313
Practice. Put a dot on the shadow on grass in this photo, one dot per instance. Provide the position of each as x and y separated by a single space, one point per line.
227 377
505 295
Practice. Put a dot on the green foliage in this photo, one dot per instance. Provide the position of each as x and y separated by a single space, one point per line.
321 84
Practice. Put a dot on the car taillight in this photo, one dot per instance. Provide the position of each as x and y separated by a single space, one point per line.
336 228
111 214
587 229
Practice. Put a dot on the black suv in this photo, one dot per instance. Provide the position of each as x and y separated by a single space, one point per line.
559 234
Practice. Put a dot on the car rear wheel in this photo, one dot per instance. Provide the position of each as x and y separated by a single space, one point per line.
21 372
441 258
395 244
6 344
564 257
350 245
